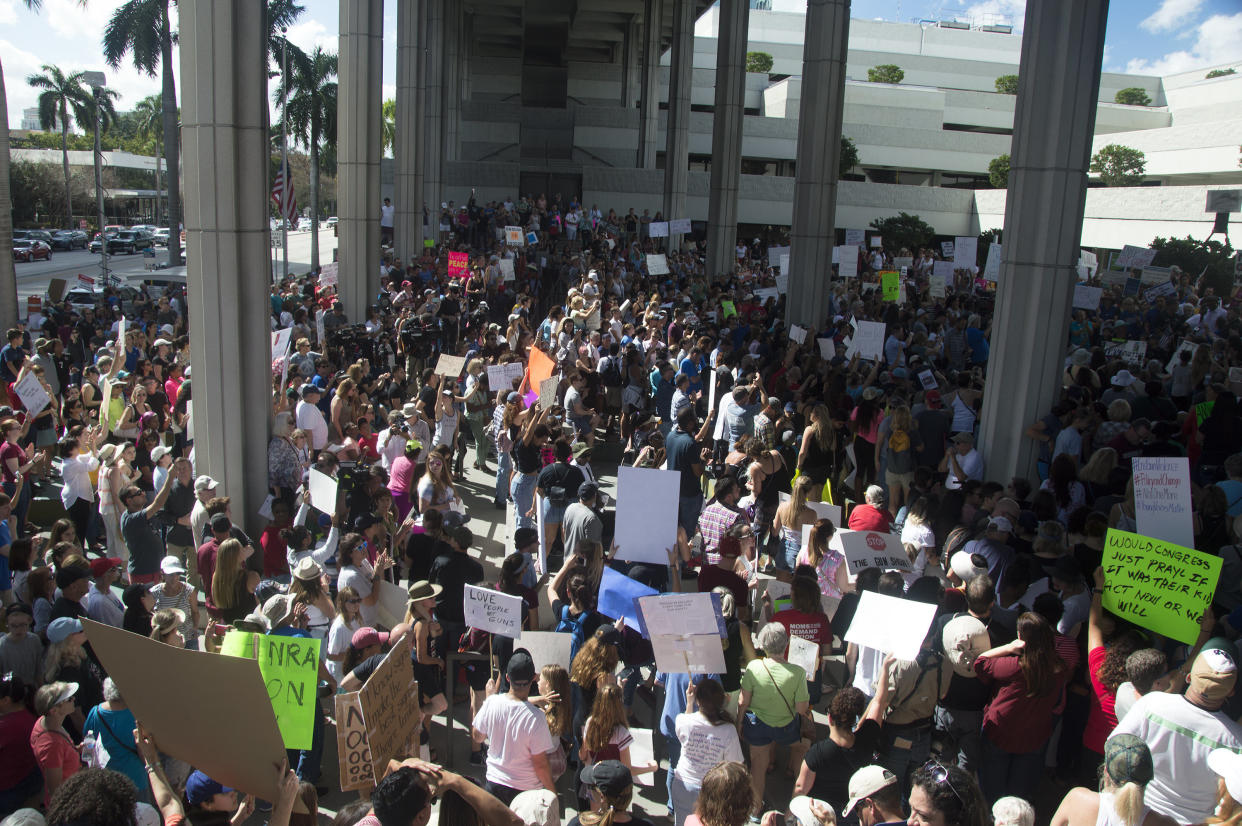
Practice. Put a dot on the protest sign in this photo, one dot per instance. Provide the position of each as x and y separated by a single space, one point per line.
513 236
329 274
617 595
547 392
903 263
827 348
85 282
928 380
1162 504
386 699
658 229
1131 286
1185 346
393 600
1135 257
784 265
728 309
877 242
848 266
1160 290
870 549
826 510
775 254
803 653
797 334
1151 276
764 293
547 647
502 376
657 264
1161 586
890 282
532 238
1114 278
493 611
890 624
935 286
947 249
353 750
290 669
966 251
209 688
34 398
322 491
856 237
1087 298
506 269
646 513
944 269
991 270
457 263
642 753
679 614
688 653
1130 352
866 340
1088 259
280 342
450 366
679 226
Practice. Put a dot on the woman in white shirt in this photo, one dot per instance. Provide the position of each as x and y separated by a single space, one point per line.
310 589
919 539
358 573
77 493
348 619
708 737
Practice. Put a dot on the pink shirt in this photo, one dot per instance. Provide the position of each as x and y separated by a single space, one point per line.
400 475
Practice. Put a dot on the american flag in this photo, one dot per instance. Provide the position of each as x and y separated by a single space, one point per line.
282 193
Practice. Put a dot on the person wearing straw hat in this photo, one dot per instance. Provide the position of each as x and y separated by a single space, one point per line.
428 668
1119 802
308 588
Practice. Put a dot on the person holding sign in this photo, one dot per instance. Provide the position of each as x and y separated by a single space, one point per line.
706 736
516 733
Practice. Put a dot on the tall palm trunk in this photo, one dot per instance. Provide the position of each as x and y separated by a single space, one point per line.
8 272
314 188
171 143
159 192
64 153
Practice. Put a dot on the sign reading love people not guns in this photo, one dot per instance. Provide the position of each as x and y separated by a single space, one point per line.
1158 585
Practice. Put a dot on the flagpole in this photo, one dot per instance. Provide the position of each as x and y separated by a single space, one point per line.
284 155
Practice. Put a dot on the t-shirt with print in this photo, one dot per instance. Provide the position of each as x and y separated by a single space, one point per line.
703 745
516 731
776 688
813 627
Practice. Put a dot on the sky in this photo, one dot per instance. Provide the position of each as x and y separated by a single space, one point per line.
1144 36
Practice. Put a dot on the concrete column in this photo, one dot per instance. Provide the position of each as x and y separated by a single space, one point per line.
225 163
453 18
433 116
629 63
649 108
727 136
408 179
677 128
819 148
359 145
1062 48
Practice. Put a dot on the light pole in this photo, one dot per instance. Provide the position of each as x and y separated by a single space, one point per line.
284 154
97 81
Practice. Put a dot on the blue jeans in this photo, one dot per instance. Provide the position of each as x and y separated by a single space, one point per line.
688 510
523 492
1004 773
504 465
307 763
961 729
905 749
673 745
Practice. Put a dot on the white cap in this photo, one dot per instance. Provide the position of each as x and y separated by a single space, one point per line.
962 565
865 782
172 565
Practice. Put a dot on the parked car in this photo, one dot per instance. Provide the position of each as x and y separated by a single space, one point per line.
130 241
161 236
68 239
107 234
80 298
332 220
30 250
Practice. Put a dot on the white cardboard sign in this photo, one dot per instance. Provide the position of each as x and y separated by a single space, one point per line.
891 624
848 266
493 611
855 237
965 251
657 264
1087 298
646 513
322 491
803 653
867 340
871 549
547 648
506 269
991 270
1162 504
658 229
679 226
34 397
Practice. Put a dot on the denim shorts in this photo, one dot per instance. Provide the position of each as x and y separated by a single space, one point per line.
758 733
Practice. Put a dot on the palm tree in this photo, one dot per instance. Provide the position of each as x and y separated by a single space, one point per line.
388 125
8 273
141 28
310 116
150 113
61 93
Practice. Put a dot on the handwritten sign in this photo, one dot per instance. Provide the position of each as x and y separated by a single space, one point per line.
280 342
1166 288
513 236
803 653
890 624
1162 504
679 226
928 380
728 309
866 341
1131 352
797 334
329 274
450 366
493 611
877 242
1135 257
657 264
1161 586
506 269
658 229
856 237
688 653
386 699
848 261
935 285
290 669
966 251
946 249
991 270
890 282
1087 298
547 391
870 549
30 391
1151 276
353 749
502 376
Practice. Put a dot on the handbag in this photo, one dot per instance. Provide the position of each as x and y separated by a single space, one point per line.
806 728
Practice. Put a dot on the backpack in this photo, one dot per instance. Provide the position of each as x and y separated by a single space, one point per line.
899 441
610 373
576 627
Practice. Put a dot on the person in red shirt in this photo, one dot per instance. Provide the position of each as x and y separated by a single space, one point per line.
275 549
873 515
806 619
20 776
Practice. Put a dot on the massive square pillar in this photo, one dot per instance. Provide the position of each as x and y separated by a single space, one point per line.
359 145
649 108
433 115
1059 82
408 179
677 128
727 136
225 138
819 147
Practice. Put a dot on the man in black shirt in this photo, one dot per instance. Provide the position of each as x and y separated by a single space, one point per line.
450 314
555 487
453 572
73 582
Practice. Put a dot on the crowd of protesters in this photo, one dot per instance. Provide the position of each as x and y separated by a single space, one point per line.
1025 686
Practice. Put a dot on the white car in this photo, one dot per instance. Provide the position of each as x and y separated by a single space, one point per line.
332 221
161 236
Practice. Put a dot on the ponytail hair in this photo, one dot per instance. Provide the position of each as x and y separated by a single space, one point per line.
1128 803
710 697
612 805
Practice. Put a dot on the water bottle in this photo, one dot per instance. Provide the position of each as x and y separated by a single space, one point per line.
88 750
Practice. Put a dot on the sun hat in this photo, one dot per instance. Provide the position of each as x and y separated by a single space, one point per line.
307 568
863 783
964 638
278 608
1123 378
962 565
422 590
800 808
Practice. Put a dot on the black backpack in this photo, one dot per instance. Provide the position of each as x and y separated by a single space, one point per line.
610 372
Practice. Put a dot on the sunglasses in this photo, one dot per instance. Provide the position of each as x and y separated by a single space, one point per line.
940 774
352 601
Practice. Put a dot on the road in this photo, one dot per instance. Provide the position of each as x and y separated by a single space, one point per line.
33 277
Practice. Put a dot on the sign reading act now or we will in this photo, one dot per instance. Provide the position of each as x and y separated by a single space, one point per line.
1160 586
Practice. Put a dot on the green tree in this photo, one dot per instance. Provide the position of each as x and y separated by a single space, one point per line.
1007 84
1211 258
758 62
388 129
1220 73
1132 96
998 172
885 73
311 116
62 96
849 157
149 117
1119 165
904 231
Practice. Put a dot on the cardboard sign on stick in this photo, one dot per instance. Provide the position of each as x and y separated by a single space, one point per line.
450 366
209 689
890 624
646 513
870 549
493 611
387 698
1160 586
689 654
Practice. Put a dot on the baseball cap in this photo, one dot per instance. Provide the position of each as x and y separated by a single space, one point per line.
203 483
524 536
368 636
514 396
609 776
26 817
1128 760
1000 523
101 566
462 536
62 628
964 566
307 389
172 565
538 807
159 452
1213 675
588 490
609 635
964 639
199 788
221 523
1228 764
865 782
521 667
932 398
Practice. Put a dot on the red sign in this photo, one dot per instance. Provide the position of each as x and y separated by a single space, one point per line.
876 542
457 263
34 304
82 224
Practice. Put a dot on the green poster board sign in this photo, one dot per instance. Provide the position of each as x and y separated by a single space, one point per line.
290 668
1158 585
